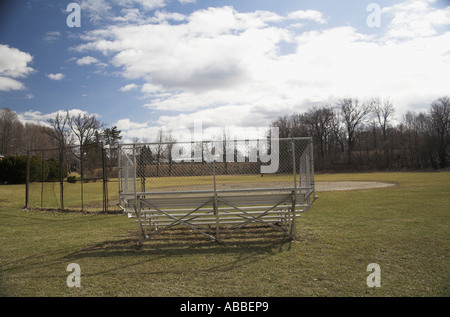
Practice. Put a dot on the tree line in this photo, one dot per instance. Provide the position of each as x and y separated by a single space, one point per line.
67 143
62 131
355 135
350 135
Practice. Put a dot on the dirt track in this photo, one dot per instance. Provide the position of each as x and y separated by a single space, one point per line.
319 186
348 185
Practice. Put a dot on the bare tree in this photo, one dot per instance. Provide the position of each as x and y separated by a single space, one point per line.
338 130
383 113
421 140
60 130
284 126
85 128
9 126
17 138
415 144
36 137
353 115
298 125
320 123
440 128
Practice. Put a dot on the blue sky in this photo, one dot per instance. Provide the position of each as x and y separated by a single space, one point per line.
146 65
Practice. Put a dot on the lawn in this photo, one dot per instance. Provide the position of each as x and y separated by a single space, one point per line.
404 229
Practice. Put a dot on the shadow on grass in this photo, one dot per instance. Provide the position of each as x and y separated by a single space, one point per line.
49 217
247 246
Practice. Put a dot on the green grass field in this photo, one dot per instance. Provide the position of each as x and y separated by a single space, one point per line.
404 229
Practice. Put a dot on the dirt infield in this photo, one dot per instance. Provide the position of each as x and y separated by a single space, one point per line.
348 185
320 186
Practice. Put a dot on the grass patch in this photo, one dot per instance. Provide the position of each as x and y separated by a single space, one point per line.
47 195
405 229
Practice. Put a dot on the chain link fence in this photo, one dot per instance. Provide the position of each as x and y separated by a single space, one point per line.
215 166
72 178
95 178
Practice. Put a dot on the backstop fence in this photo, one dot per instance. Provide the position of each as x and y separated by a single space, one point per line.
207 185
71 178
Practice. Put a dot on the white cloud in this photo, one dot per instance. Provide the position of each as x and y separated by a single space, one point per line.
95 9
127 124
130 15
58 76
98 10
190 56
207 124
129 87
297 25
144 4
227 68
87 60
35 116
415 18
7 84
13 64
161 16
151 4
311 15
52 36
130 130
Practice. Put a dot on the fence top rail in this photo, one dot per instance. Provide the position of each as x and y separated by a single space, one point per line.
284 189
68 147
209 141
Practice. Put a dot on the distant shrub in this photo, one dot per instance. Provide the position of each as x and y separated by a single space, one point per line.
53 171
13 170
38 169
72 179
